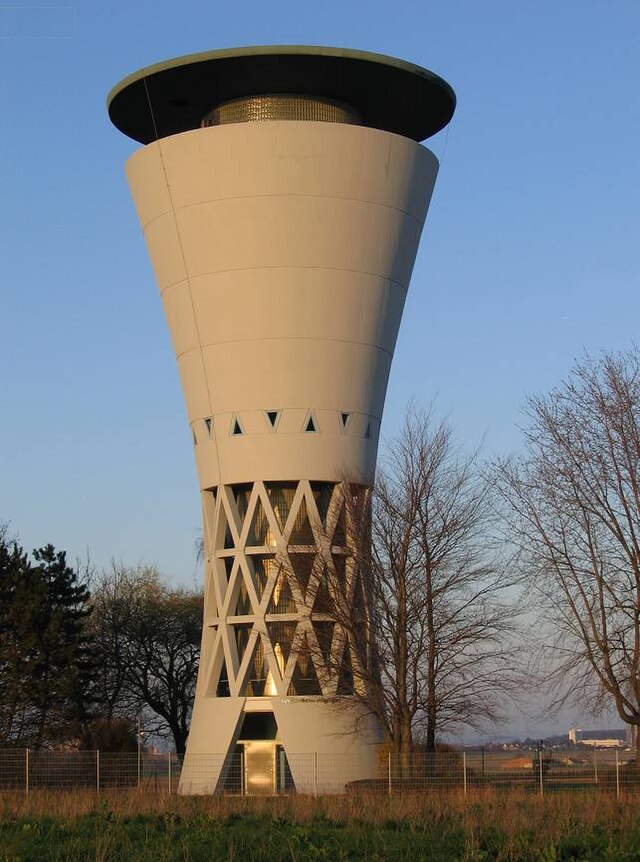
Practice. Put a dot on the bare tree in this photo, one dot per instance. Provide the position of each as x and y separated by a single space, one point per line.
148 640
575 504
429 624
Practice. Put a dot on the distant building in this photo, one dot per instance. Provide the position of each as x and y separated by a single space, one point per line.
599 738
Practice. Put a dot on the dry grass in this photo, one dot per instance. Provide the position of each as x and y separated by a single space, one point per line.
514 811
487 825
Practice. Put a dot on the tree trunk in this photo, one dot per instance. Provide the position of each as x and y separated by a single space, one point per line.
180 739
432 655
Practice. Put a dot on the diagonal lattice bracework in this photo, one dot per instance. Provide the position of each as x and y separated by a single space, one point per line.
279 564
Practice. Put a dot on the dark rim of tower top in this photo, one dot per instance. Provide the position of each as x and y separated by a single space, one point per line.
389 94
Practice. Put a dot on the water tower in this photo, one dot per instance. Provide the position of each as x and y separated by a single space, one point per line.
282 192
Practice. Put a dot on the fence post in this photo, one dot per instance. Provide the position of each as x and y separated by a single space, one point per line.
617 776
315 774
464 772
540 771
169 767
595 765
97 771
26 771
389 773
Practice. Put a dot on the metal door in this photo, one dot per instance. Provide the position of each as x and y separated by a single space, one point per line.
260 767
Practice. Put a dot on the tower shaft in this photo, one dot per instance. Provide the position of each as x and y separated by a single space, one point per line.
283 252
282 194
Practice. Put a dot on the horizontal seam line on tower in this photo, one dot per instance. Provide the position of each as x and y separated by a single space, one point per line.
286 338
192 278
283 195
320 435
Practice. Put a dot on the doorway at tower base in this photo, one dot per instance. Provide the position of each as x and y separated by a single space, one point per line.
320 747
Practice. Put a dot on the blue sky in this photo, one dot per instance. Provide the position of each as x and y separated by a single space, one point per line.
529 257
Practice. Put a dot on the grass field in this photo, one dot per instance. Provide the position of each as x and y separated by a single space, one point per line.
486 826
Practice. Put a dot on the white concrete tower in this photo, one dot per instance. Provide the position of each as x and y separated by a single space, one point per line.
282 193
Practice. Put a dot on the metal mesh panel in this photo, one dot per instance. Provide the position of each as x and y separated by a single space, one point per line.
252 109
14 765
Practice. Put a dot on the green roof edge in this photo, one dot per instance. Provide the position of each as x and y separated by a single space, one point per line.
259 50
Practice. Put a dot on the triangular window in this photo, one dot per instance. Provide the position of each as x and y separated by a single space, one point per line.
357 607
260 532
345 680
224 586
228 565
305 678
257 672
340 565
209 424
340 531
322 603
322 492
345 419
302 564
367 433
281 601
222 689
228 535
262 569
324 634
272 417
281 635
302 534
243 603
236 427
281 497
242 632
310 426
241 495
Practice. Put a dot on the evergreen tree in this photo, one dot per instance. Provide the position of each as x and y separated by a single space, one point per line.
14 572
45 656
61 663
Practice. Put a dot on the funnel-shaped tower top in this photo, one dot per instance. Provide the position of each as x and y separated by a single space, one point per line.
281 82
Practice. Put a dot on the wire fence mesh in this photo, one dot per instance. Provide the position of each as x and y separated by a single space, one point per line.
270 770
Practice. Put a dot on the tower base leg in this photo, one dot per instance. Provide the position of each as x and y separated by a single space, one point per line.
327 744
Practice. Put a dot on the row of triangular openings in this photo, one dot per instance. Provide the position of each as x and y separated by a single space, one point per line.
310 425
273 416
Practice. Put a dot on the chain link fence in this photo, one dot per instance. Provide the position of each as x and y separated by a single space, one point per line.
28 770
464 770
